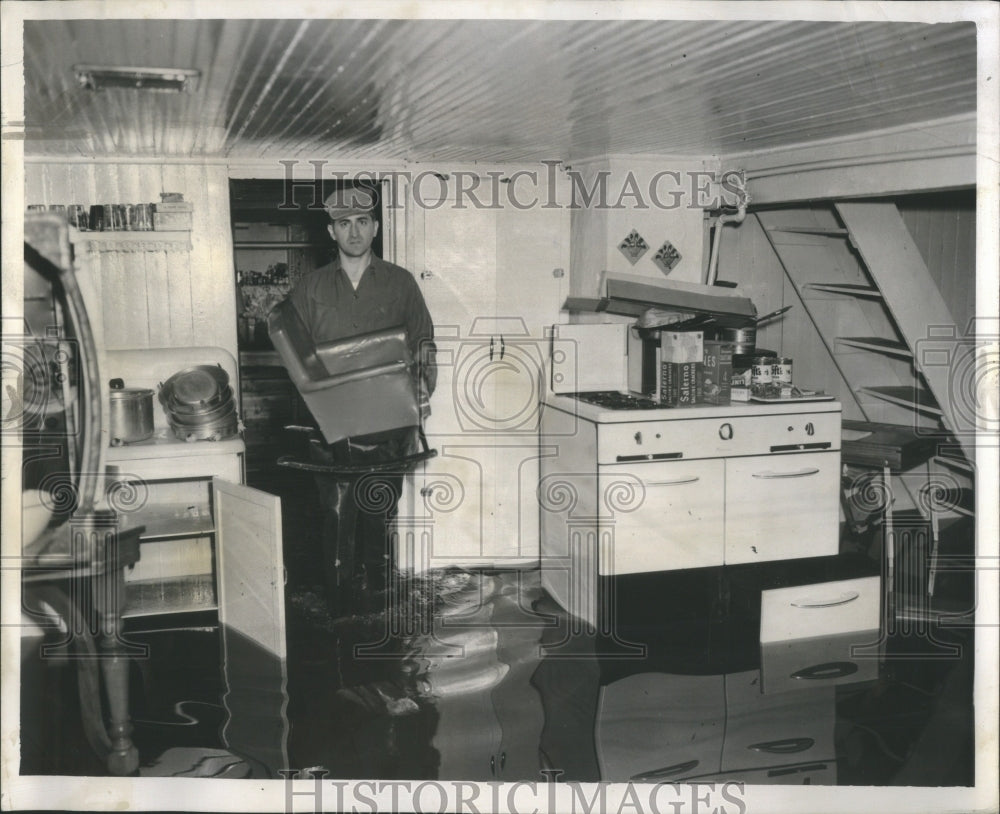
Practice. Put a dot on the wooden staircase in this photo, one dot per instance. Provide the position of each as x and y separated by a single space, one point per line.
901 359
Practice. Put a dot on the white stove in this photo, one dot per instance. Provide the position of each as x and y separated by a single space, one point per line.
629 486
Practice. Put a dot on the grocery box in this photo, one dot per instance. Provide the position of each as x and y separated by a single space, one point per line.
717 371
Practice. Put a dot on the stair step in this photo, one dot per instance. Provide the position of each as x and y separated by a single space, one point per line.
912 397
878 344
812 230
851 289
954 458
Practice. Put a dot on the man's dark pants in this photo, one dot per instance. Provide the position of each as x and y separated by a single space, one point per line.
358 510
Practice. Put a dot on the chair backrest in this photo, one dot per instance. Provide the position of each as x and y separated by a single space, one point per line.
294 345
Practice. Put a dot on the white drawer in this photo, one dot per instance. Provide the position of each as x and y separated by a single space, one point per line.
658 727
661 516
717 437
820 609
781 507
775 730
805 664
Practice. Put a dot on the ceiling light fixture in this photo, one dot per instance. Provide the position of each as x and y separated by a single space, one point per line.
101 77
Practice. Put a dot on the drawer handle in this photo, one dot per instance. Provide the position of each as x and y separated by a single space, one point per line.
788 746
830 669
672 482
802 473
666 771
843 599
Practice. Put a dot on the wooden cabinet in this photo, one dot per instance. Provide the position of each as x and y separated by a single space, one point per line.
492 278
494 735
211 545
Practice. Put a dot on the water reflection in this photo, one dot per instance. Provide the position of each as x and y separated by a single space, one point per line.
480 676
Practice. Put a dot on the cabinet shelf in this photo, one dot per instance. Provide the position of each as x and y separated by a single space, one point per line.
171 522
850 289
909 397
878 344
182 595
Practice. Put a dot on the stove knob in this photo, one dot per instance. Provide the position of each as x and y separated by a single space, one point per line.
726 431
638 437
810 429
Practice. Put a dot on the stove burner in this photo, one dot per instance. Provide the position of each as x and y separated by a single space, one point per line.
615 400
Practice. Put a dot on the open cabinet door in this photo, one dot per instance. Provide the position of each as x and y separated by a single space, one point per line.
252 622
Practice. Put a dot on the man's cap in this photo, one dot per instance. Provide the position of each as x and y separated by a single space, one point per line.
350 201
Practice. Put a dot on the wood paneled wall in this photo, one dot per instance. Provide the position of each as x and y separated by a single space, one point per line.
157 298
944 228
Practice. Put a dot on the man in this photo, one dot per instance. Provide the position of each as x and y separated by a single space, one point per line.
356 294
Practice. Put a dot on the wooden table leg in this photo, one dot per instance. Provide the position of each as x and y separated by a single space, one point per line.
123 759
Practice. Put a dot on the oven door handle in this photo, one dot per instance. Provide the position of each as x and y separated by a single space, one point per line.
671 482
802 473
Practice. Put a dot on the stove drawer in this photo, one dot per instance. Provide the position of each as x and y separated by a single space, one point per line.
662 516
717 437
780 507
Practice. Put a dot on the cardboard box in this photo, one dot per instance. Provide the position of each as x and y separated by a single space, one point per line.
172 221
717 372
682 346
681 354
681 384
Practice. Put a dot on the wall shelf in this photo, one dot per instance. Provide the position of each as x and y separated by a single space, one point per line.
146 241
274 244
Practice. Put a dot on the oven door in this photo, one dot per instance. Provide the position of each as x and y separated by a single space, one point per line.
661 516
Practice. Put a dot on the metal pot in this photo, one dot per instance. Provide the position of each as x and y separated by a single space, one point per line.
743 339
131 414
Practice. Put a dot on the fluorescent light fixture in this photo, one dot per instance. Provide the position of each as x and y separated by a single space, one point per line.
100 77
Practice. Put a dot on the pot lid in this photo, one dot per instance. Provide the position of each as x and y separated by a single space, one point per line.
128 393
195 385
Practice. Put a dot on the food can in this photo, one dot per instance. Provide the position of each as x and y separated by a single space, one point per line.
781 370
760 370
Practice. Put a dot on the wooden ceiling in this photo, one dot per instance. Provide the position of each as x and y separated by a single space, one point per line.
491 91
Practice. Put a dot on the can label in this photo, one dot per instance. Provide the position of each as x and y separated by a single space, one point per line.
760 371
781 370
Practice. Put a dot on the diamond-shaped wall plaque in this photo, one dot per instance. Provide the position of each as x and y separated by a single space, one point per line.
633 247
667 257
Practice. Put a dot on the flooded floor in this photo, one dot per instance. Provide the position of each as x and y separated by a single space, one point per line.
478 675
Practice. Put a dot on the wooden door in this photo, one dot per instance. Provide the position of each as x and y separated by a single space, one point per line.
250 576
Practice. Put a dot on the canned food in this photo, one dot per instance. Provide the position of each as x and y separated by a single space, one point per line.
760 370
781 370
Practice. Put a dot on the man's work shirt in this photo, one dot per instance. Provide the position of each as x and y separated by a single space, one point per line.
387 296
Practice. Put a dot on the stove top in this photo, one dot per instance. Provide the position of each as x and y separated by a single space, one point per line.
616 400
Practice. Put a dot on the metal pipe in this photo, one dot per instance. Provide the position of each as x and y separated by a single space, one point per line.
739 181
